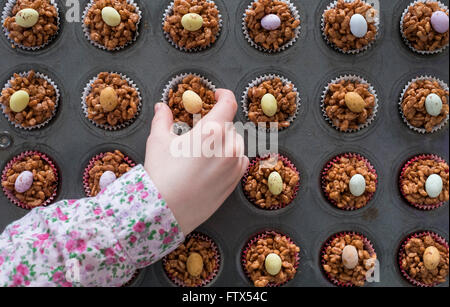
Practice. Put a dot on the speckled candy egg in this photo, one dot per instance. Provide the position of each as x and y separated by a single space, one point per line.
439 22
106 179
433 104
433 185
24 182
357 185
271 22
350 257
27 18
358 25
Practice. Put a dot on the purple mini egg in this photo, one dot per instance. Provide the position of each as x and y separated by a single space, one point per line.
106 179
24 182
271 22
439 21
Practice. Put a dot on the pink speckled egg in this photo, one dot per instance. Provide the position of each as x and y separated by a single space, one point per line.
106 179
439 21
23 182
271 22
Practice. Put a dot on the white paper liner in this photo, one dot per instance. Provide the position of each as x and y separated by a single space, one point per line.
353 78
422 52
87 91
169 11
7 12
353 51
173 84
87 32
257 82
442 84
57 94
295 14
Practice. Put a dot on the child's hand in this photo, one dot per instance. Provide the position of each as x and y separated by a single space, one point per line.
194 188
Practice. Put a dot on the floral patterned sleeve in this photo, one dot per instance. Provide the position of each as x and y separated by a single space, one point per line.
98 241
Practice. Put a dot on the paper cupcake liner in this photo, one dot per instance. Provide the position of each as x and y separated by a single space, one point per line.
180 283
295 14
330 164
254 240
405 167
420 234
87 90
41 125
422 52
7 11
353 78
367 245
173 84
10 195
132 279
87 189
353 51
257 82
87 32
422 130
169 11
287 163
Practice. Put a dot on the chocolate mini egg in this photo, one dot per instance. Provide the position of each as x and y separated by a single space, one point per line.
354 102
433 185
273 264
192 102
192 22
108 99
269 105
111 16
19 101
439 22
106 179
357 185
23 182
27 18
194 264
275 183
271 22
350 257
433 104
431 258
358 25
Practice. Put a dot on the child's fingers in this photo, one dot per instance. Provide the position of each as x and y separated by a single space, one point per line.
225 108
162 121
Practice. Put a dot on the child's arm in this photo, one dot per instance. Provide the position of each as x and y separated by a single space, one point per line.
101 241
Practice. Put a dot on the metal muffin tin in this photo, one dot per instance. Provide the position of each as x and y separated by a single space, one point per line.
70 60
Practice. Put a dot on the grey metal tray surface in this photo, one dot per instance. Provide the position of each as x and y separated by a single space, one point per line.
71 61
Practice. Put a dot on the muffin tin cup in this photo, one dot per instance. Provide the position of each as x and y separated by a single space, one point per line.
10 194
87 189
7 11
178 282
353 51
87 32
405 167
422 130
405 274
253 240
422 52
287 163
257 82
295 14
367 245
87 90
41 125
173 85
330 164
169 11
353 78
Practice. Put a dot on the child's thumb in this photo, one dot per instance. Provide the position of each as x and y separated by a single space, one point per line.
163 120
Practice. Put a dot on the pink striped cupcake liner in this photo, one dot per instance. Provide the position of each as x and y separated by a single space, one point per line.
10 194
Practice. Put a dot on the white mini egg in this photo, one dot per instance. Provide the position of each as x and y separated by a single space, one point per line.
106 179
433 104
350 257
357 185
433 185
358 25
